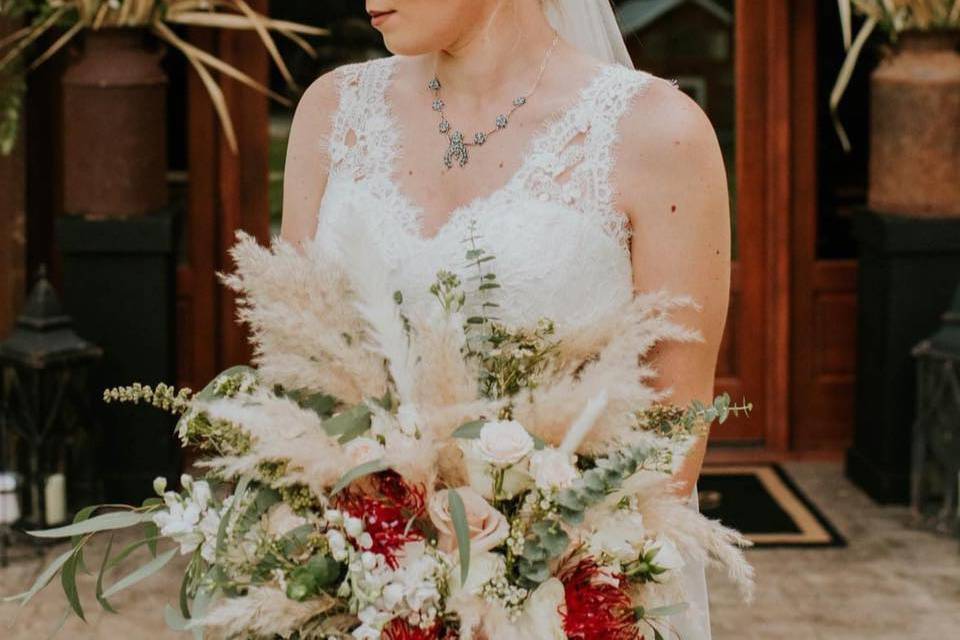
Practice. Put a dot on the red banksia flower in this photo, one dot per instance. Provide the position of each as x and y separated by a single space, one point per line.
402 630
596 609
387 513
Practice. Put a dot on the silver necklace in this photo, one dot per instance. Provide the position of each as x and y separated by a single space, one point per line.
457 145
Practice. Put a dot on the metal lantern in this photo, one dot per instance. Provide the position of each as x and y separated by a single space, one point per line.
44 405
936 431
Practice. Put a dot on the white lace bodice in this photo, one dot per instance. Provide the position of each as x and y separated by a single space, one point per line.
561 247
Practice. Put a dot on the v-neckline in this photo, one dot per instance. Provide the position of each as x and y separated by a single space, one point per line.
543 130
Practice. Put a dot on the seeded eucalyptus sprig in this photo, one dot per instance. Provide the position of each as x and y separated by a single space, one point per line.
548 539
672 421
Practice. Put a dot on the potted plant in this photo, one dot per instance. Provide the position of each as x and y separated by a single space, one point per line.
114 90
914 104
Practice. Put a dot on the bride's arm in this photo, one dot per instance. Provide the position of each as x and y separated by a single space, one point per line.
673 185
307 163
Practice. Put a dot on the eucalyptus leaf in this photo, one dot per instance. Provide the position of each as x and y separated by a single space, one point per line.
106 522
458 513
104 603
667 610
68 578
469 430
366 469
350 424
42 580
140 574
174 620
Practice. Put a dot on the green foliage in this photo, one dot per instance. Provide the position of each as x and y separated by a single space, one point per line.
547 539
671 421
366 469
458 514
310 579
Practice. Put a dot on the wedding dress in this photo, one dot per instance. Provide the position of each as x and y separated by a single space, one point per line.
561 248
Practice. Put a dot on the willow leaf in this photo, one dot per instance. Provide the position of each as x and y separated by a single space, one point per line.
366 469
106 522
142 573
458 513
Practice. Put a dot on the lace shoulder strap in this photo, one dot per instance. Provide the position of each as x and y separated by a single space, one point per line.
573 162
361 130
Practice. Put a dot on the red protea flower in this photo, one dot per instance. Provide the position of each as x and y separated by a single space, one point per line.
399 629
597 605
386 515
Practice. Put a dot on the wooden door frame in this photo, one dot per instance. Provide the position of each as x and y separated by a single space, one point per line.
761 275
227 192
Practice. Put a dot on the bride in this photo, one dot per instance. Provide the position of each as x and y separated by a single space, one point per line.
524 124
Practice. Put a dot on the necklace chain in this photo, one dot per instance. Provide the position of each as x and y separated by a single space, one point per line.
457 146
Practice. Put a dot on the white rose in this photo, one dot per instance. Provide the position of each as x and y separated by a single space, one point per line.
363 450
281 519
619 536
552 469
480 474
667 555
503 443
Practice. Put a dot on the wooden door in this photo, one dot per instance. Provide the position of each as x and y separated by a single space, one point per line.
732 56
227 192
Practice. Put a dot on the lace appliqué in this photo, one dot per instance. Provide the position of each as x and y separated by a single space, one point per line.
573 162
569 163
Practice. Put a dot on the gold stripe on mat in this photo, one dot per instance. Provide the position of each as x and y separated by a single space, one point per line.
811 531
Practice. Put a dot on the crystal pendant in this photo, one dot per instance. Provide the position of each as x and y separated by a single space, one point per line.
457 151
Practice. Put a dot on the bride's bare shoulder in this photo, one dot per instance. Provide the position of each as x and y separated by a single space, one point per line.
668 142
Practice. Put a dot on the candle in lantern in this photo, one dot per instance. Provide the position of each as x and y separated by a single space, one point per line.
55 499
9 504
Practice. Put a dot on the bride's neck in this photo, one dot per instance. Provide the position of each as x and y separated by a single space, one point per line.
509 44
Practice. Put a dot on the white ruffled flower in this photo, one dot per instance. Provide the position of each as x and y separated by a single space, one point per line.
503 443
620 536
552 469
667 555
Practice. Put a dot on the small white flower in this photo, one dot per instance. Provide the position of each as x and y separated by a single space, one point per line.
503 443
333 517
667 556
363 450
160 485
392 595
201 494
186 481
365 540
552 469
338 545
353 526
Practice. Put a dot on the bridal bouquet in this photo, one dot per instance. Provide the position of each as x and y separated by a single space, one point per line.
385 473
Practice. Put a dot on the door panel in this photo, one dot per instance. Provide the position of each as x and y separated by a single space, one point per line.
732 57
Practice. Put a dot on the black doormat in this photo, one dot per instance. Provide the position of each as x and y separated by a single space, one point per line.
763 503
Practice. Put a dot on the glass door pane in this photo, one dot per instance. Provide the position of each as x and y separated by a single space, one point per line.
693 44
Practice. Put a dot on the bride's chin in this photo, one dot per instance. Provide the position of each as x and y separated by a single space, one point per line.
405 46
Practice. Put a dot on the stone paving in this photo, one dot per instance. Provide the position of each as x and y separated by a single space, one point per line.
891 583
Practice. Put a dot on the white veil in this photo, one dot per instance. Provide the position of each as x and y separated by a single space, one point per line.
591 26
